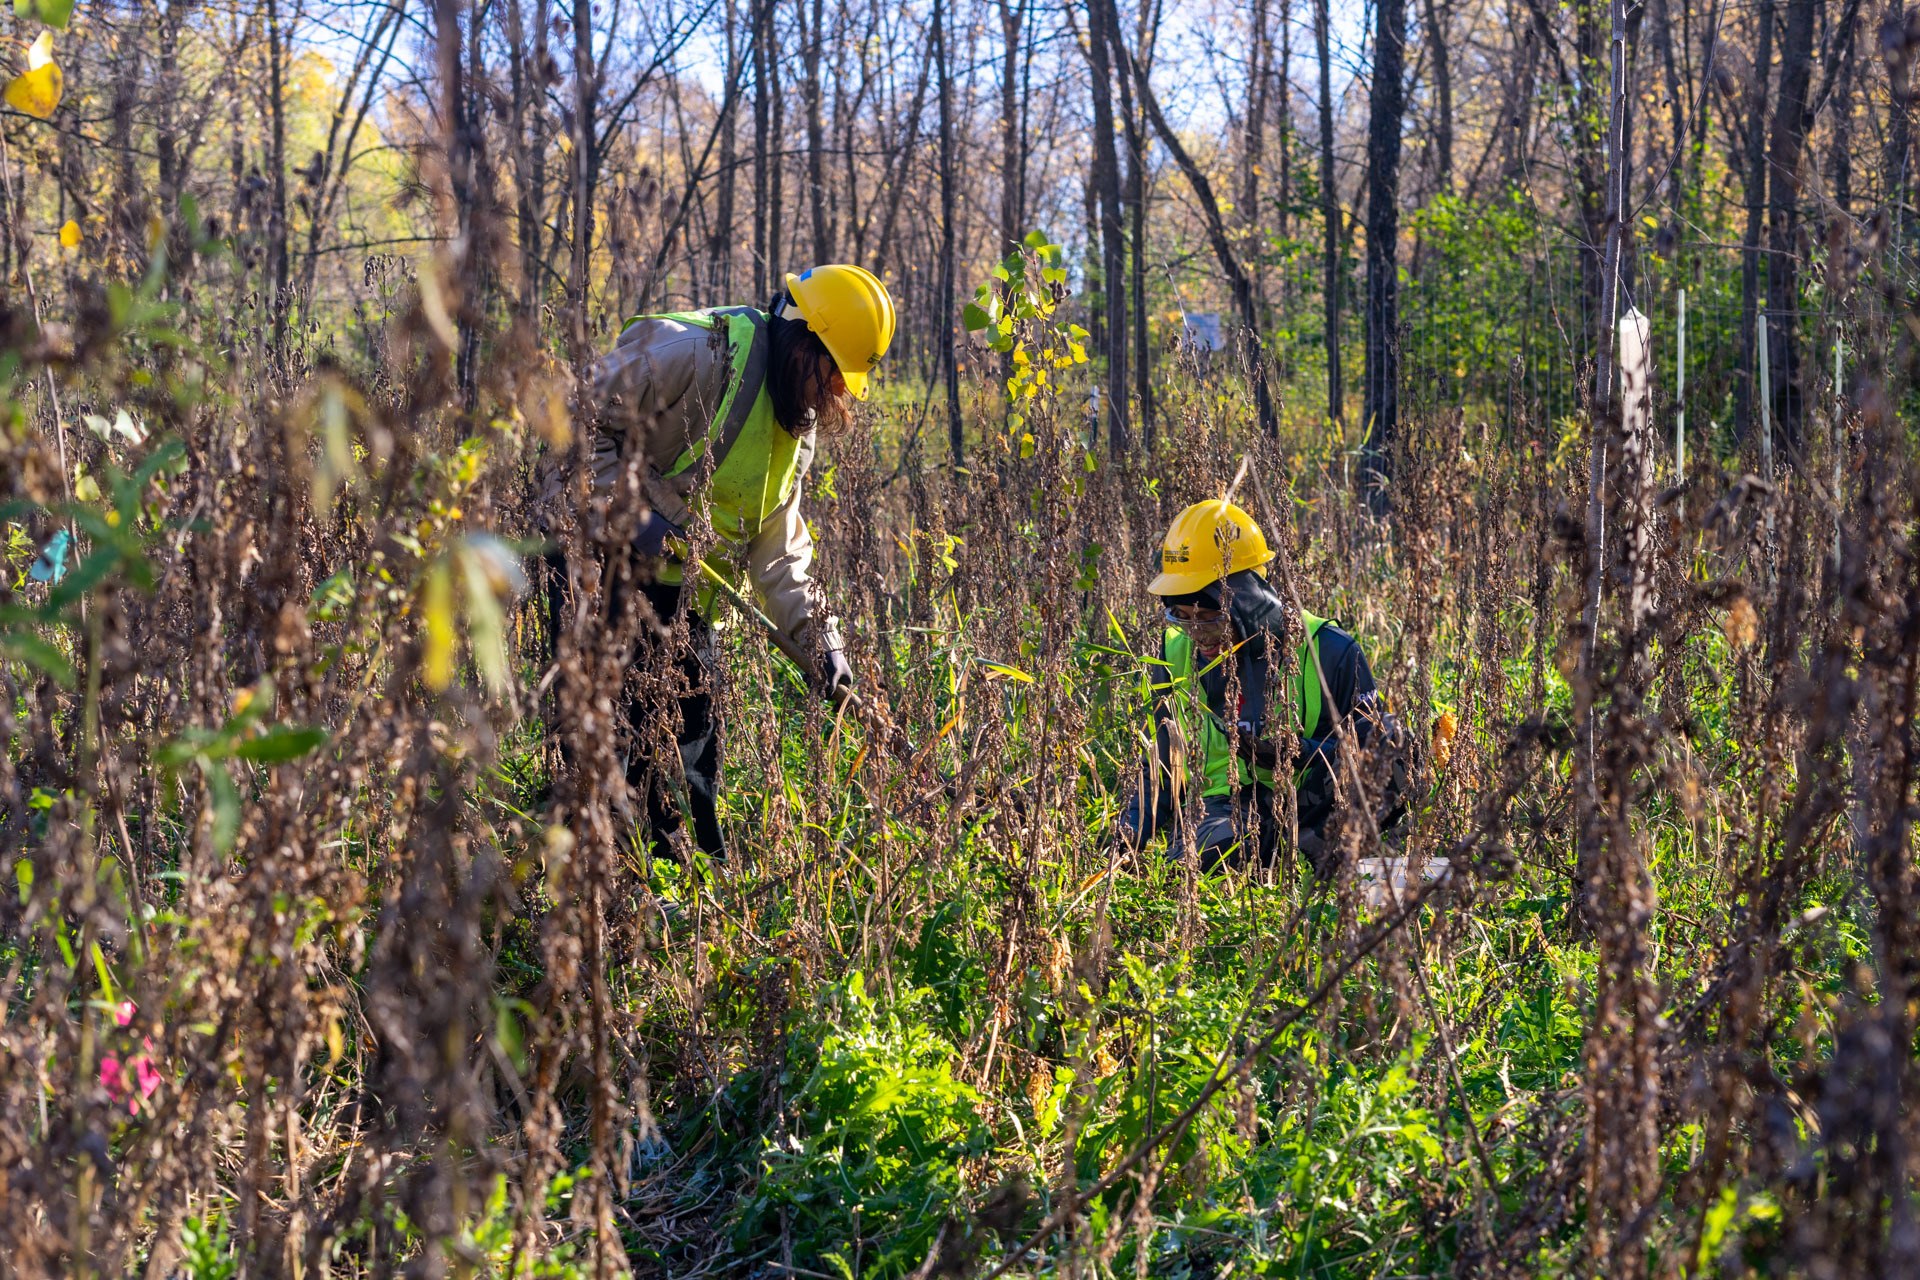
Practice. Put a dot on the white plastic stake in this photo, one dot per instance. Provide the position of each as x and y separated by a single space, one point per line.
1636 366
1680 394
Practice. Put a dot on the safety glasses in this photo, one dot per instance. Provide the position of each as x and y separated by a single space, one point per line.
1210 628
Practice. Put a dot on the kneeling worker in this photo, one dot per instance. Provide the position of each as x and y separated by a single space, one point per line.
1225 627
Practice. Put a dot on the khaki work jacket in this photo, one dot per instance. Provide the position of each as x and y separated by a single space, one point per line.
658 391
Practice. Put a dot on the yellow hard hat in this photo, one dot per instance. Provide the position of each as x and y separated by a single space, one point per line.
1208 541
851 311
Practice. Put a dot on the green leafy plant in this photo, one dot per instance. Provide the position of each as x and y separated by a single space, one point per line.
1018 313
246 737
206 1251
872 1162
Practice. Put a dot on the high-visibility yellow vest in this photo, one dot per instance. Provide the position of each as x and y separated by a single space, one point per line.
1216 744
755 461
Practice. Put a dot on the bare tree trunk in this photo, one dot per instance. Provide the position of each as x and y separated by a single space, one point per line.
242 205
1013 153
1253 142
816 142
1135 197
1436 22
126 201
1096 316
1663 44
895 174
1841 73
849 102
1518 128
1283 213
762 143
540 248
1897 40
1589 160
720 239
522 73
1012 149
166 75
776 164
475 244
1137 288
943 322
1386 112
769 214
1697 149
1756 200
1791 120
1238 282
1625 282
1283 96
586 167
1332 284
1106 180
1613 214
277 175
1253 152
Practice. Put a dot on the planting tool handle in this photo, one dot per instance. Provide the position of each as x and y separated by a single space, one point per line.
779 639
845 700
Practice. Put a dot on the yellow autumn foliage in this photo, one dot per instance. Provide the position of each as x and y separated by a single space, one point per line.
37 91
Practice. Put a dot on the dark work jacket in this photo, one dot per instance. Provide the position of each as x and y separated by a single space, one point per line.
1260 616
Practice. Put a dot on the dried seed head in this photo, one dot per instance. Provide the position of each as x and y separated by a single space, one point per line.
1740 623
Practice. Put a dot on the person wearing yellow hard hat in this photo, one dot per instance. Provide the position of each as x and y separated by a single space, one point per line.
707 424
1224 655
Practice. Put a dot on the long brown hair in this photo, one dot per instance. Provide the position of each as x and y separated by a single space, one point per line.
800 380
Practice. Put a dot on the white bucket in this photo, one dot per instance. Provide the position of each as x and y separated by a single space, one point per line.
1383 882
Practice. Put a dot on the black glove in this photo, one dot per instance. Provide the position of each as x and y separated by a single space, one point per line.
835 681
651 538
1255 749
1315 792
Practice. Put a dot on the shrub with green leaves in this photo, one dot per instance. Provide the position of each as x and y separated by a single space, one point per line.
873 1158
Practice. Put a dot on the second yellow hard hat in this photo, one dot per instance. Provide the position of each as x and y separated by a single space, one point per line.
1208 541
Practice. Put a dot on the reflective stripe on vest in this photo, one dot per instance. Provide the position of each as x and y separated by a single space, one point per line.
1309 693
1216 748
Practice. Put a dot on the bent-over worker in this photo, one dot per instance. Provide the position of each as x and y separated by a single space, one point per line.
717 413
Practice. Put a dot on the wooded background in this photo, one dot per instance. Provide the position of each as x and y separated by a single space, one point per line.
1383 202
339 945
